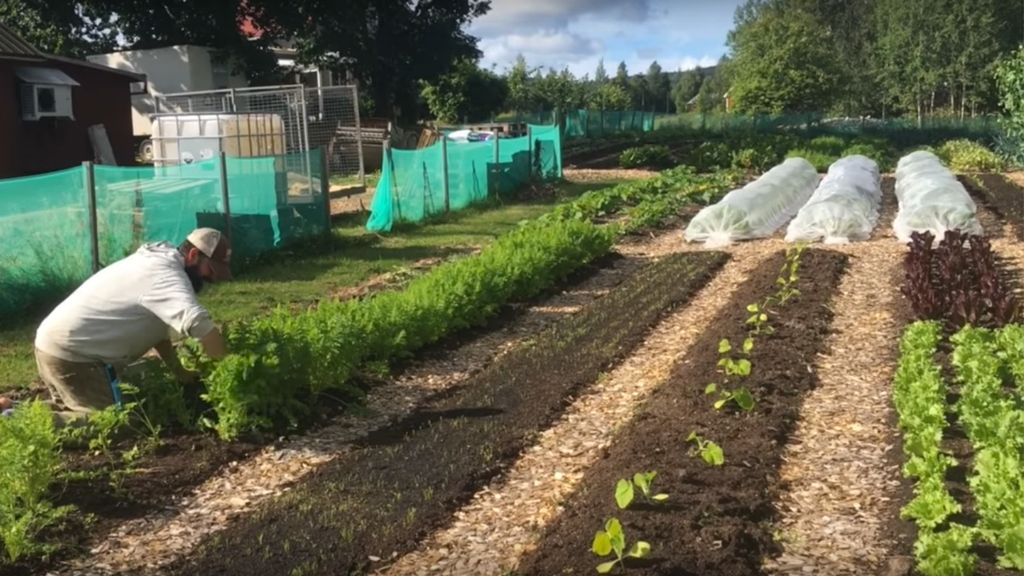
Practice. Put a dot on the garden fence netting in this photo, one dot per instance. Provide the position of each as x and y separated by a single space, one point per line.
758 209
591 123
45 232
845 205
931 199
412 182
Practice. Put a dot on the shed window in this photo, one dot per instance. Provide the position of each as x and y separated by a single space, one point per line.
45 93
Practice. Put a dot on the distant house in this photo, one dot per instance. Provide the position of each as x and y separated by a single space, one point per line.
171 69
48 104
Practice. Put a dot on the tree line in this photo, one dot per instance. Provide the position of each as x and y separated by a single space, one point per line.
871 57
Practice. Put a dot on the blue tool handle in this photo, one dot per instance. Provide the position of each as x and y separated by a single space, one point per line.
115 384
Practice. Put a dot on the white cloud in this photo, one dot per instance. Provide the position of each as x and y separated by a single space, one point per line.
577 33
507 16
689 62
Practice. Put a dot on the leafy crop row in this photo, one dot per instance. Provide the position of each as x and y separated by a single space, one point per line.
992 416
919 394
283 363
663 195
957 282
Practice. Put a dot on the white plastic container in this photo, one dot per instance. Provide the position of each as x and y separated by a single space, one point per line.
189 138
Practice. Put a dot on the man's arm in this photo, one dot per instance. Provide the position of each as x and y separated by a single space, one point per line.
170 357
213 344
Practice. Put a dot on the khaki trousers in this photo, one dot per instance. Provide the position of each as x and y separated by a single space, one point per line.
78 388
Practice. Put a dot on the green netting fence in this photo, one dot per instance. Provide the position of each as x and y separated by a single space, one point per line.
446 176
47 230
588 123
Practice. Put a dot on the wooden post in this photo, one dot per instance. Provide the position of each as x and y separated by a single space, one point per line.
94 232
224 196
325 188
444 171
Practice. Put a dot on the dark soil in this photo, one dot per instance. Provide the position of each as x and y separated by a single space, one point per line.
407 479
1006 198
719 520
160 478
990 214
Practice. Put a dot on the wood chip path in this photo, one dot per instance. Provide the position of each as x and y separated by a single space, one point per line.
525 499
146 544
841 481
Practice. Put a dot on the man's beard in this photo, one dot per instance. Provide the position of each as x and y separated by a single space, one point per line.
195 278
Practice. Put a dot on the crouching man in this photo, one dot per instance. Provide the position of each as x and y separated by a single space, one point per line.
122 312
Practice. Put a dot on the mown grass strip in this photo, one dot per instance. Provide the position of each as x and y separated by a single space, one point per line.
919 395
408 478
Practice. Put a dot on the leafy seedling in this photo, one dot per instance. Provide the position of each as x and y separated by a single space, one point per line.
643 481
741 397
625 490
613 540
710 452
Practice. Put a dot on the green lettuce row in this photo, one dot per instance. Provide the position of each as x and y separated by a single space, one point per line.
282 364
919 395
994 422
680 182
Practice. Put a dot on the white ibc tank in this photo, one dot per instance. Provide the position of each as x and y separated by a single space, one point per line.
190 138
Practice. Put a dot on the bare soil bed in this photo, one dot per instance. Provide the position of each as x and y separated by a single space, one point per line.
407 479
718 519
1006 199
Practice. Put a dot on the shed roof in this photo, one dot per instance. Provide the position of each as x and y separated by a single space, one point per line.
13 45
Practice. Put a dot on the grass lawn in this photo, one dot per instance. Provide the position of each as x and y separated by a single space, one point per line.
350 257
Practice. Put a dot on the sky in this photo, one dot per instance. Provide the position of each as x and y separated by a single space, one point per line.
679 34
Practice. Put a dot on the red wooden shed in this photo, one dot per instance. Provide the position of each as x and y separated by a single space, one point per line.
48 103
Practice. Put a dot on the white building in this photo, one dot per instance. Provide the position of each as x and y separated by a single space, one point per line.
184 68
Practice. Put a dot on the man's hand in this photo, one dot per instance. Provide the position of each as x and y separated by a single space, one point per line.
5 403
213 345
189 377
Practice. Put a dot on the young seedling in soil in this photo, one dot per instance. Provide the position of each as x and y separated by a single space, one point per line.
731 367
625 492
613 540
708 450
789 274
758 319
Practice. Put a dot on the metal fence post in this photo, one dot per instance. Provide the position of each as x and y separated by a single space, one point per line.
395 197
325 188
224 196
94 232
497 165
359 135
529 144
444 172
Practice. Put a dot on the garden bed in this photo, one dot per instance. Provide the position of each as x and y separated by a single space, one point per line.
408 478
717 520
1007 199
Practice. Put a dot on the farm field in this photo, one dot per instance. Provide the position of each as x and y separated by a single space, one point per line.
531 422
